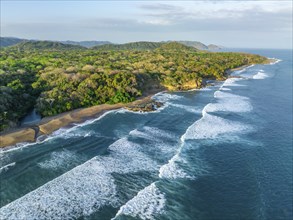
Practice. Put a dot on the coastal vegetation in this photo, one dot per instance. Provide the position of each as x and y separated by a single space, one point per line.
54 77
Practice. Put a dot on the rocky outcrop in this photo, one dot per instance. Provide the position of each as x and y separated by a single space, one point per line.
145 107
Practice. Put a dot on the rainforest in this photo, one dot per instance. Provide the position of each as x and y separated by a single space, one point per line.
54 78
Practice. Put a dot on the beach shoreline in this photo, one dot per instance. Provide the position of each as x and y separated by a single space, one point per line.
50 124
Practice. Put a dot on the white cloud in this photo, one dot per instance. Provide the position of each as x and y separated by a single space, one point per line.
216 22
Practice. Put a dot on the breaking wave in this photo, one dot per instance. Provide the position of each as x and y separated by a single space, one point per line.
231 82
76 193
210 126
171 170
260 75
188 108
60 159
164 97
147 204
7 167
87 187
229 102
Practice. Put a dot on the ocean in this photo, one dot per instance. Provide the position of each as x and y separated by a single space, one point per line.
222 152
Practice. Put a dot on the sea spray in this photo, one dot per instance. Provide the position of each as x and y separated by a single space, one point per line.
147 204
61 160
260 75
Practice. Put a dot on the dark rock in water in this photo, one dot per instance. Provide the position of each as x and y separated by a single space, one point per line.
145 107
234 76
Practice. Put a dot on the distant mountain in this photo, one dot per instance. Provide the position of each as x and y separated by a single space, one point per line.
201 46
195 44
45 45
175 46
214 47
87 44
142 45
9 41
145 45
98 45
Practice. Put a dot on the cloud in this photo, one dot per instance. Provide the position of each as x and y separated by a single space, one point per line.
216 22
160 7
253 18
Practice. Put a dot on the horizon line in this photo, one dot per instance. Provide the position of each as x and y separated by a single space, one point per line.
224 47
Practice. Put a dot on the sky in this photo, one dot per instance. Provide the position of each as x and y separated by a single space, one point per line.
246 24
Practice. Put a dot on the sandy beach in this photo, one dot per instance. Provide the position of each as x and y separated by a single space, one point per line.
50 124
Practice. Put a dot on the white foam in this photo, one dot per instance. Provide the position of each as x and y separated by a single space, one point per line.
164 97
157 141
276 60
210 126
7 167
126 157
229 102
172 171
207 88
74 132
187 108
60 133
12 148
60 159
79 192
147 204
82 190
224 95
151 133
158 132
232 82
225 89
243 70
260 75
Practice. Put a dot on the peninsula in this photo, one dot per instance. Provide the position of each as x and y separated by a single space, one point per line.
70 83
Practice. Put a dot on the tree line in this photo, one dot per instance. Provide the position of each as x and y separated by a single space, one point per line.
55 81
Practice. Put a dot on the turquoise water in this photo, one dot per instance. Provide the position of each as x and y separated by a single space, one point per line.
223 152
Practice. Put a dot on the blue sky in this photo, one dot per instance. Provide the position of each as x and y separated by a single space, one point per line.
255 24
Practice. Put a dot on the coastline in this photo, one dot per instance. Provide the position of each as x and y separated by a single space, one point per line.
52 123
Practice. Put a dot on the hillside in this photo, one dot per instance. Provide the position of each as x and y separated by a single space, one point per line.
142 45
176 47
195 44
9 41
87 44
103 45
214 47
44 45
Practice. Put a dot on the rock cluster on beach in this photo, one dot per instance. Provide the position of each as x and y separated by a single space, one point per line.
145 107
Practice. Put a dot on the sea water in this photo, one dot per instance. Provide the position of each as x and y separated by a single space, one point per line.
223 152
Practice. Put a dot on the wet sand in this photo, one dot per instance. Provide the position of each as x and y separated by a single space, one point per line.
50 124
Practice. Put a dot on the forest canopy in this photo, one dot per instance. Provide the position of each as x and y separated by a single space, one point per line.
54 78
